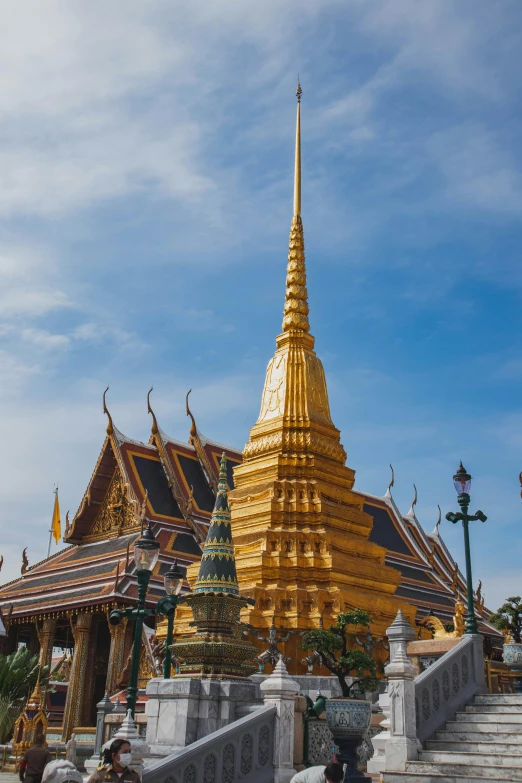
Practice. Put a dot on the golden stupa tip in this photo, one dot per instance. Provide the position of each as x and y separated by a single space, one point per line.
299 91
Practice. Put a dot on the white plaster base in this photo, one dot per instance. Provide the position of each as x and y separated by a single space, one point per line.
183 710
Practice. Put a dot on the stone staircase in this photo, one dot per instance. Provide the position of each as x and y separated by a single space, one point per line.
482 744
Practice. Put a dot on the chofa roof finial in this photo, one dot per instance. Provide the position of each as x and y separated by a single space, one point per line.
193 428
155 428
392 482
110 426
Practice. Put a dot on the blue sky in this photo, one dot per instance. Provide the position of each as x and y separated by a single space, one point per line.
145 201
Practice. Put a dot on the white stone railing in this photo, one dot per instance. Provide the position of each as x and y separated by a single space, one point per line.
448 684
242 750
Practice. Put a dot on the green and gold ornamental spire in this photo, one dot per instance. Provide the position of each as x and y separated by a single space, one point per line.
217 650
217 572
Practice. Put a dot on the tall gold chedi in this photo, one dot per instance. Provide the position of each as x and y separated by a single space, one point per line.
300 532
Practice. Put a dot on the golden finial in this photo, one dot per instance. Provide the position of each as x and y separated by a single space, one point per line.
438 520
193 428
143 509
25 562
392 482
155 428
296 300
297 172
110 427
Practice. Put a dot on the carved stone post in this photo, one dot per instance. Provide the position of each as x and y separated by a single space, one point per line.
76 690
402 745
377 761
279 689
116 655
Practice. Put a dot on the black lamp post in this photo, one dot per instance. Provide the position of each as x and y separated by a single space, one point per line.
462 482
173 581
146 552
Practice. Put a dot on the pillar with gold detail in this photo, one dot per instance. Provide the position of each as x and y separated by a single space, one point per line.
116 655
301 534
76 690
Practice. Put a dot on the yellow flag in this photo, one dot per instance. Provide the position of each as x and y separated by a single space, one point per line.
56 526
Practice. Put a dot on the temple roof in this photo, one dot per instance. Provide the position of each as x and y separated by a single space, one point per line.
173 484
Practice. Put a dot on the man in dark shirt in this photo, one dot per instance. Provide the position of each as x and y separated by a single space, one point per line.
34 761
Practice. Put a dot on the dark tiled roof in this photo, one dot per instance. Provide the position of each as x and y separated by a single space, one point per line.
63 598
195 478
154 480
53 579
184 543
99 548
384 531
413 594
416 573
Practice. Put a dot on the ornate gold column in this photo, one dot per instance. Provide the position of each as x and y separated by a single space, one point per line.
116 655
46 633
76 690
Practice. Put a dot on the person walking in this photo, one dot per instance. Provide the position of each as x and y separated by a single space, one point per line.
34 761
115 769
332 773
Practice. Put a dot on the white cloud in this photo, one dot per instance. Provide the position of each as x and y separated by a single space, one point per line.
45 340
15 374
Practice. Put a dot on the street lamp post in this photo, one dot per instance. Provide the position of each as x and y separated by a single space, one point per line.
462 483
173 581
146 552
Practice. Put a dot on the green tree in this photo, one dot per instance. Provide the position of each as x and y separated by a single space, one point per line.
332 646
509 618
18 676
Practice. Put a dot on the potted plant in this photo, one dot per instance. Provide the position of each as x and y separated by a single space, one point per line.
347 716
509 619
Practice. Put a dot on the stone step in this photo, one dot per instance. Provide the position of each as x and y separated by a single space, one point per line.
484 748
470 724
511 760
431 777
498 698
460 772
489 717
478 736
493 708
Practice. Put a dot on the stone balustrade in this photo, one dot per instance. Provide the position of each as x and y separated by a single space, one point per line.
448 684
420 705
242 750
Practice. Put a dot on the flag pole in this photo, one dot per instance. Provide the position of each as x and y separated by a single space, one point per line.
51 530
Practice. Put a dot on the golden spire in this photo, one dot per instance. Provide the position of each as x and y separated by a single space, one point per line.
297 172
296 299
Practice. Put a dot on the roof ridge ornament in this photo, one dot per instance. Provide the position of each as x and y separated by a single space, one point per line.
411 512
195 441
193 429
388 493
110 425
155 428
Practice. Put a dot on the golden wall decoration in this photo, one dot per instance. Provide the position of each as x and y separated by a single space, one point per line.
116 512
